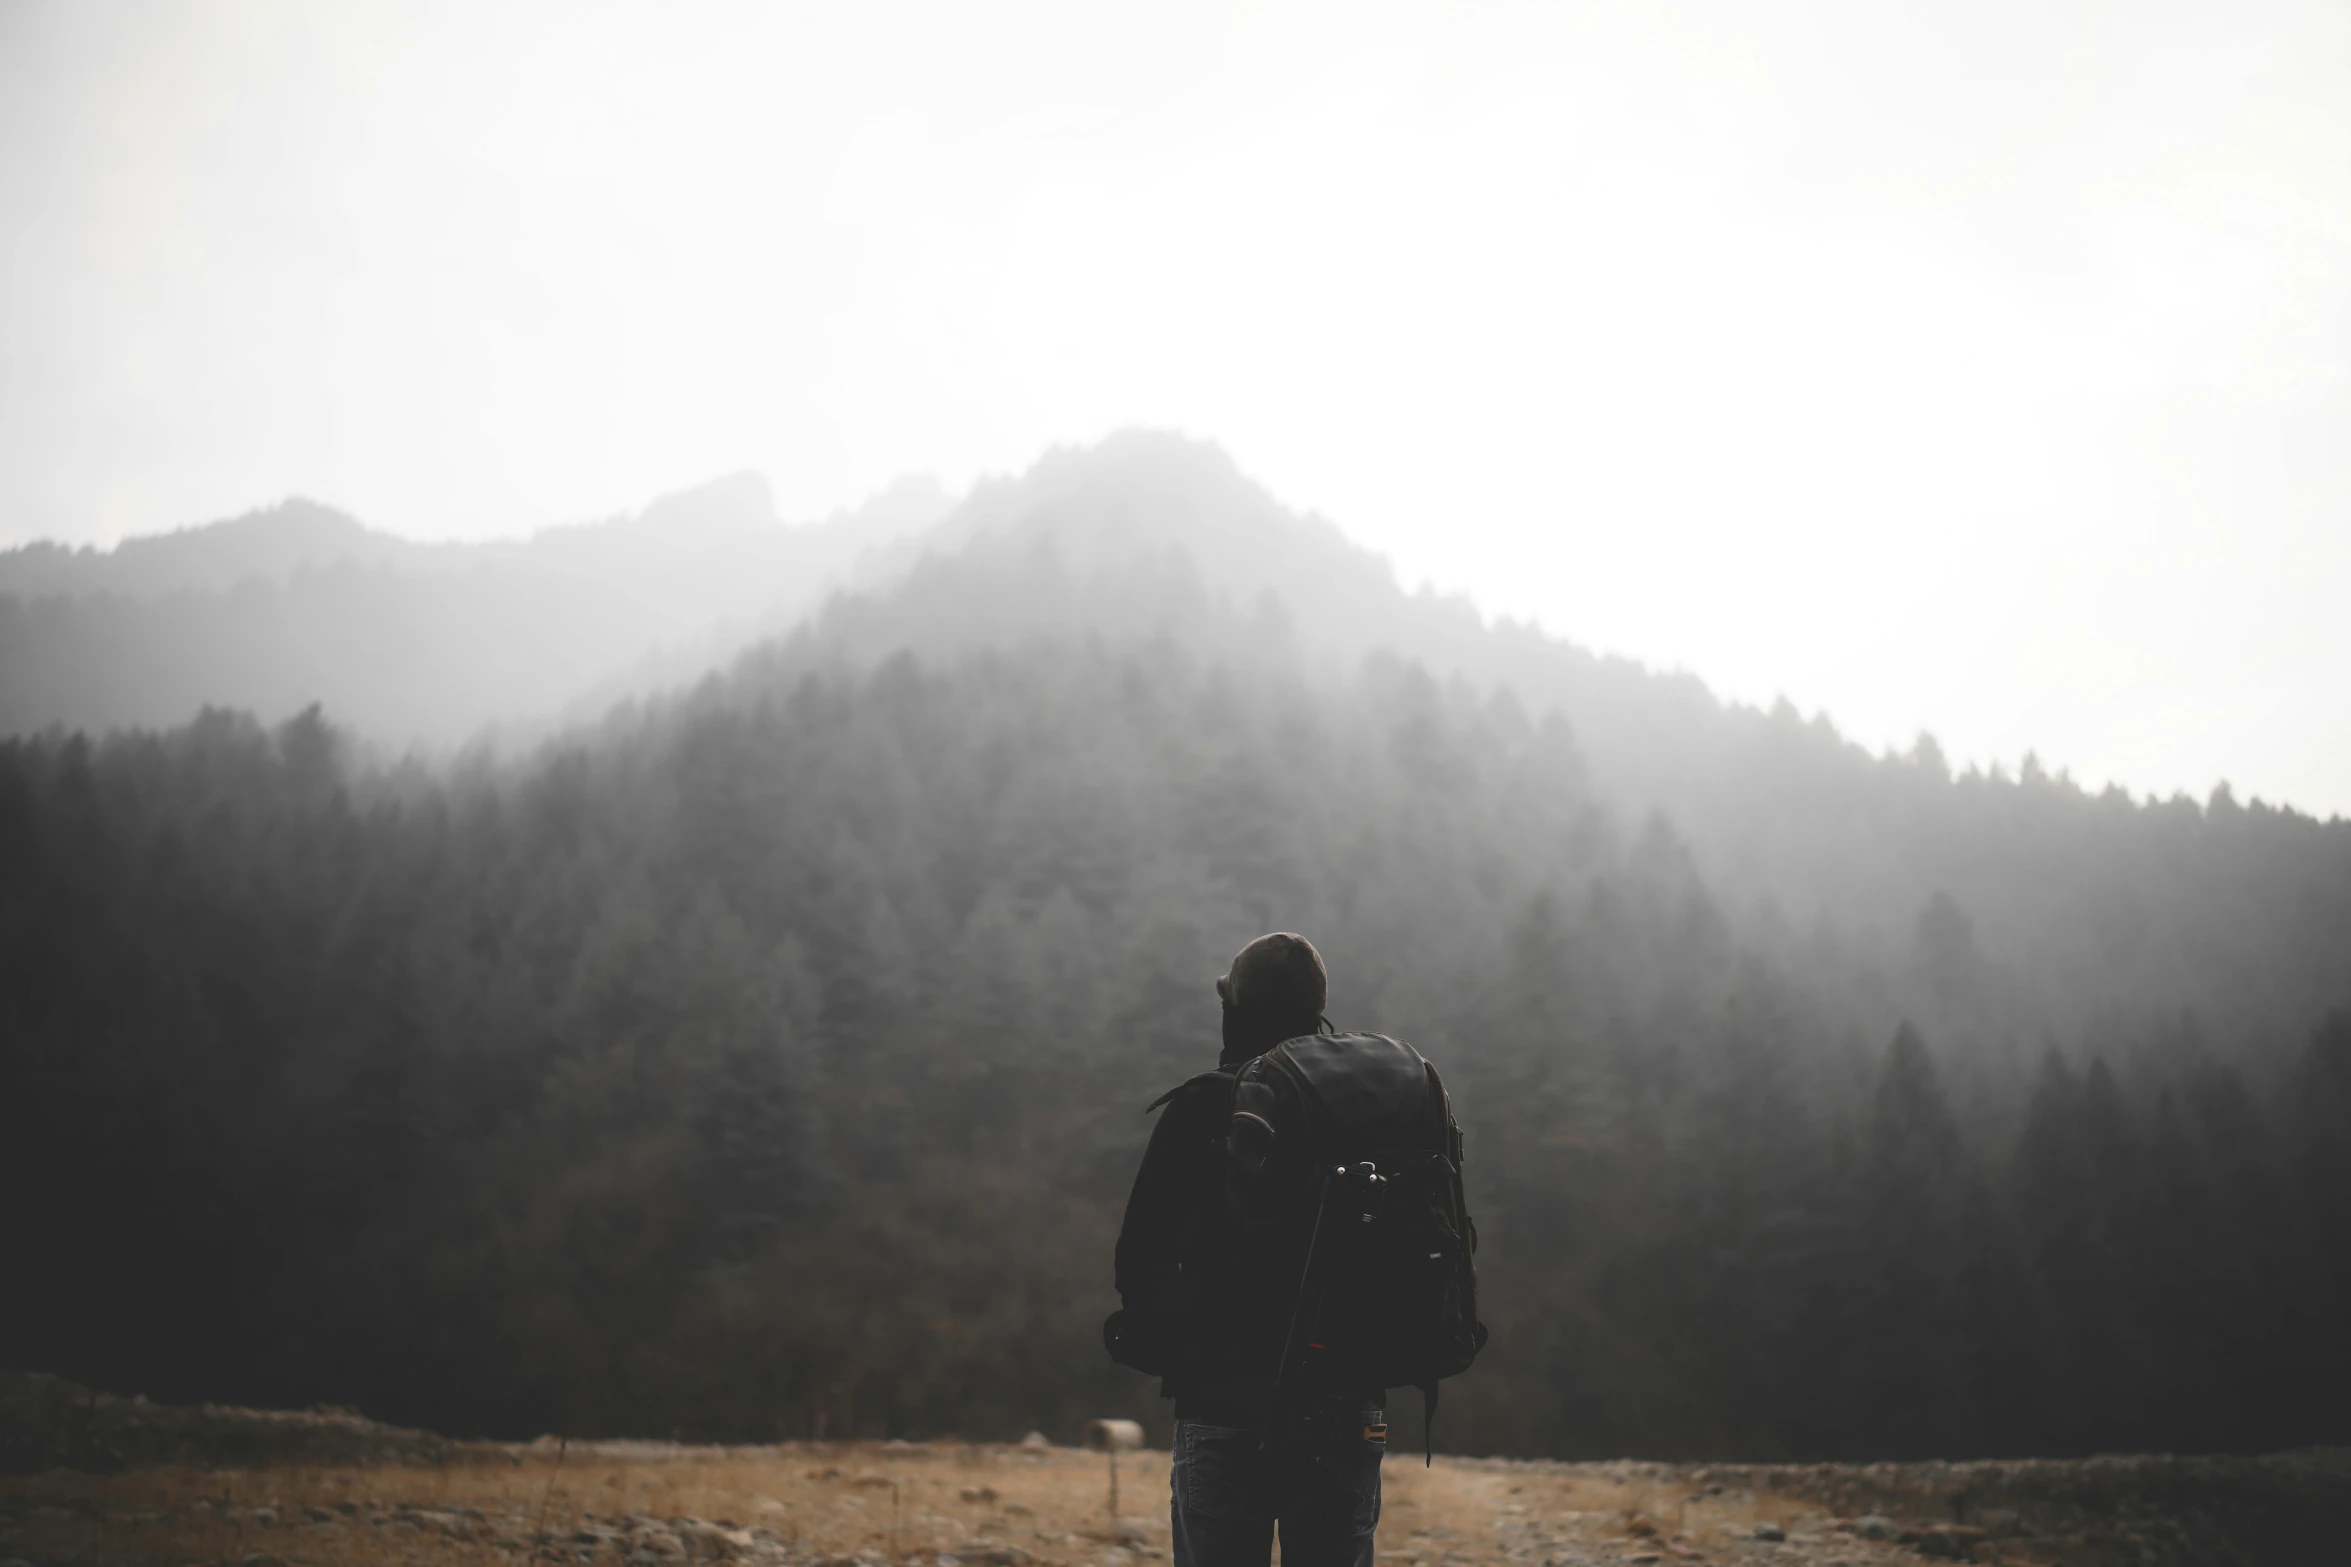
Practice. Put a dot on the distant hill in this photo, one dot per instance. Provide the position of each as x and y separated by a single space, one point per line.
408 642
270 545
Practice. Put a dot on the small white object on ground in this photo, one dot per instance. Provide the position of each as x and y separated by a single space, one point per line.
1113 1436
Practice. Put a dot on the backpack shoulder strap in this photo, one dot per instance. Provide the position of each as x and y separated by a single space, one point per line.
1197 1079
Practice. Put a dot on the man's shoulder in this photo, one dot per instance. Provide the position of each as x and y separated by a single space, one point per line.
1199 1093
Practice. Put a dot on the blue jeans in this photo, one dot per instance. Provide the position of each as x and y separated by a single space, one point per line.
1319 1478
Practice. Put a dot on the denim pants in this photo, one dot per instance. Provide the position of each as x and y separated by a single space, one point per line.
1317 1476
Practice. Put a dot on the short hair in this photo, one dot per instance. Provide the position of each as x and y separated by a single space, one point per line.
1278 975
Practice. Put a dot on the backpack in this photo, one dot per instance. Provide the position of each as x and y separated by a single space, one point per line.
1347 1142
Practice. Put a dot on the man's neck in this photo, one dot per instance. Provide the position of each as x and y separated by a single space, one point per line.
1245 1039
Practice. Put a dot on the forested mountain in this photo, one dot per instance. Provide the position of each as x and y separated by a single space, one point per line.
769 1057
280 609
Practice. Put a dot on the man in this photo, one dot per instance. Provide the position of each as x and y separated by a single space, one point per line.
1213 1263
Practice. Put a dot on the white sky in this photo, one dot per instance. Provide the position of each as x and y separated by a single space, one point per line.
1980 367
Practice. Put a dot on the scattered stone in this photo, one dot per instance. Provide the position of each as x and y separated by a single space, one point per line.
1035 1439
990 1553
978 1493
1947 1542
713 1542
453 1525
1770 1531
1020 1509
1875 1526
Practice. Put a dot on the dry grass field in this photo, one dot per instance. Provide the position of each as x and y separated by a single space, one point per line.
843 1505
86 1478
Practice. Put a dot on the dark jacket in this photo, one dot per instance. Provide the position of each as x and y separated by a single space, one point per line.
1207 1298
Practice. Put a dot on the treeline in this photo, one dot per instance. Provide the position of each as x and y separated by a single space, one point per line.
770 1061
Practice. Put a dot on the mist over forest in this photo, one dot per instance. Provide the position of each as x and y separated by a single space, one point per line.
765 1055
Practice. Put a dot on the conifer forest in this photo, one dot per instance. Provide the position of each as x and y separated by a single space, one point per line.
766 1054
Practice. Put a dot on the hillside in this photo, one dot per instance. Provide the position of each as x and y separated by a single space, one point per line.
2055 910
406 642
768 1058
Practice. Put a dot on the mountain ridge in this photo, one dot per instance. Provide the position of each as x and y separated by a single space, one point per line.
411 642
1121 508
269 542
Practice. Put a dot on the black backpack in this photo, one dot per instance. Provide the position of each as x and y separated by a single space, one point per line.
1348 1143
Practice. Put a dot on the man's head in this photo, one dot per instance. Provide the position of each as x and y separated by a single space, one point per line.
1276 989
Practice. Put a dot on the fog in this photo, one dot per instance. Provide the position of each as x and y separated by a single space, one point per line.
1974 369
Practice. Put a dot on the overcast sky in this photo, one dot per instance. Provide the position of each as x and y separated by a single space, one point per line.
1978 368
